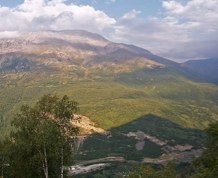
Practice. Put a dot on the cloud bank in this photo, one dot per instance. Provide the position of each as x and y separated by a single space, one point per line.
184 31
53 15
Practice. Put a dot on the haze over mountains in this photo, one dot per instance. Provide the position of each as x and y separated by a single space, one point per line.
206 68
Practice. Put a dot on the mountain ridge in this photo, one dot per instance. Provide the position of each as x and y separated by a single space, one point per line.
206 68
77 45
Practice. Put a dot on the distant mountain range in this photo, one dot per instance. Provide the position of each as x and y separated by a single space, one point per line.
206 68
84 51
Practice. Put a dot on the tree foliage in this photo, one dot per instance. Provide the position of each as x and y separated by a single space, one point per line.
148 172
206 166
41 144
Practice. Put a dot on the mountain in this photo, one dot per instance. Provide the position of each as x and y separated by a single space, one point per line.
205 68
113 83
135 106
49 49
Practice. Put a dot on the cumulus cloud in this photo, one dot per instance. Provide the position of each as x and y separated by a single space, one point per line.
184 31
174 7
53 15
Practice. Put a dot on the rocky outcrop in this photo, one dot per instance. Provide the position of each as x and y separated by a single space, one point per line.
141 136
84 169
86 126
176 157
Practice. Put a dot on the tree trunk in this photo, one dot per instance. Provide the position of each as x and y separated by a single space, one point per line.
45 163
62 162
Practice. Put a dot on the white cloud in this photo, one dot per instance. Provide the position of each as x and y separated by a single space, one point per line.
53 15
184 31
131 14
9 34
174 7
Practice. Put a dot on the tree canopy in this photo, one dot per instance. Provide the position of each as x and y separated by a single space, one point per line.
206 166
148 172
41 143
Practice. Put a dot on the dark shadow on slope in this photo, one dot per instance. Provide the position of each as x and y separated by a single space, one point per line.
117 143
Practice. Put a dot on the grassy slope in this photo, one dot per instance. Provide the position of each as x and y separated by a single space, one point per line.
116 99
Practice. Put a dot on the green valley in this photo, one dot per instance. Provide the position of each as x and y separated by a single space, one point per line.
115 100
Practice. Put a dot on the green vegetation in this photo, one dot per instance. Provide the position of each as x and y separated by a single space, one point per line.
207 165
116 99
122 88
41 144
119 144
148 172
115 102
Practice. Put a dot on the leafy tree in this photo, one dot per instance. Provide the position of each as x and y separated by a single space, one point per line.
142 171
206 166
168 171
42 141
148 172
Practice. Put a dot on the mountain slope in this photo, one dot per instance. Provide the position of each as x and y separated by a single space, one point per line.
207 68
113 83
71 48
148 136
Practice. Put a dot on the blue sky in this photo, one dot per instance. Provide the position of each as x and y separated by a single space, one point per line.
10 3
119 7
114 8
176 29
